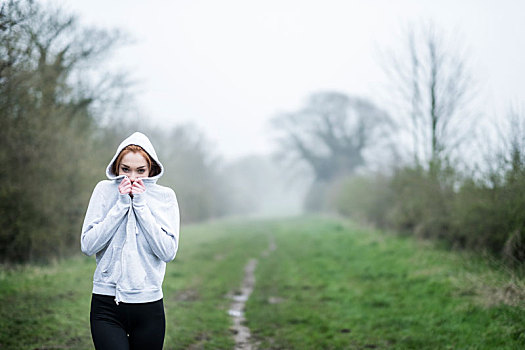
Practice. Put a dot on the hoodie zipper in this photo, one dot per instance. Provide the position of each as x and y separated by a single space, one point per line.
117 297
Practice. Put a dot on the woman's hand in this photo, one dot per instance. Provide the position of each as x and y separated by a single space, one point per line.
125 186
138 187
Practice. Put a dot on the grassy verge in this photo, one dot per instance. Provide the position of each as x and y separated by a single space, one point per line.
45 307
332 286
328 285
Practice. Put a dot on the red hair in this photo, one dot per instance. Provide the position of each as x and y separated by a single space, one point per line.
153 167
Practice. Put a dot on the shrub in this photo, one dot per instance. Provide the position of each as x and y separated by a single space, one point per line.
364 198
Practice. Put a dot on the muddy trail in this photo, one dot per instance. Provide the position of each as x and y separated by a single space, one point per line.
242 334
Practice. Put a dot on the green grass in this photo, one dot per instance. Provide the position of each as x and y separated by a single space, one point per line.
328 285
341 287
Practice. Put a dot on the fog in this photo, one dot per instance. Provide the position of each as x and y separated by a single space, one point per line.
230 66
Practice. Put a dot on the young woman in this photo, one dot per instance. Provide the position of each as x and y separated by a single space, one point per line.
132 226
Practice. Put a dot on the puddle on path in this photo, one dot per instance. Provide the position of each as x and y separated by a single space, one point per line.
242 333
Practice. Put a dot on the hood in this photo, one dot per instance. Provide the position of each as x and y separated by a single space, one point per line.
141 140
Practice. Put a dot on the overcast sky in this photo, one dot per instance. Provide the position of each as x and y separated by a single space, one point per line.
229 66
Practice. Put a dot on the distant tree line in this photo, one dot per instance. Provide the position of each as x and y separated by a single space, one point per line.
412 166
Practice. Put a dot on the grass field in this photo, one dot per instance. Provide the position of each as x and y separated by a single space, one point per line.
327 285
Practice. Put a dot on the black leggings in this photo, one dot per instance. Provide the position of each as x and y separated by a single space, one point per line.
126 326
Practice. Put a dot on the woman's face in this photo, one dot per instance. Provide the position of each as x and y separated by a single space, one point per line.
134 166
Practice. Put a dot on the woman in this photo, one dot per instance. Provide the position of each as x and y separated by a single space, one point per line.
132 225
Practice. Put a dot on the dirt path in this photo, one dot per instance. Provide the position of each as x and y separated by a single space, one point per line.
242 333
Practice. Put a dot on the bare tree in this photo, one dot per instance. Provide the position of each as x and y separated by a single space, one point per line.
331 133
432 87
509 156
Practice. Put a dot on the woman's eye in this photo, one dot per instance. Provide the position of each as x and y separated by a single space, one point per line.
141 171
125 169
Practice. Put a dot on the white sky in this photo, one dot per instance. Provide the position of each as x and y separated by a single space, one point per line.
229 66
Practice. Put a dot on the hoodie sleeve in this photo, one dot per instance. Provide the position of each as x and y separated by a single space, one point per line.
101 223
162 229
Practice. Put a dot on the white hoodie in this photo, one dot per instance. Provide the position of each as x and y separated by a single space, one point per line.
133 238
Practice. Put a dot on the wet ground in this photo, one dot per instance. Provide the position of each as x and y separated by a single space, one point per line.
242 334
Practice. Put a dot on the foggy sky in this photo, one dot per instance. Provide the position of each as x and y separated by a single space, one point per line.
228 66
